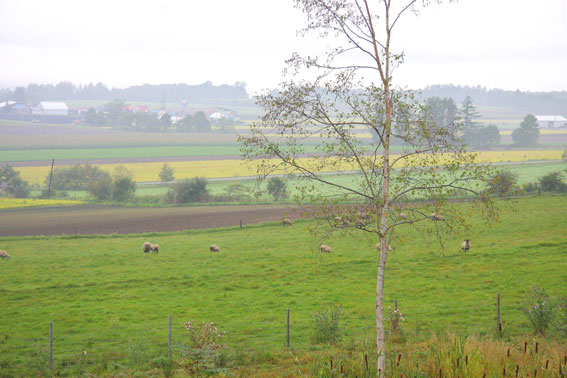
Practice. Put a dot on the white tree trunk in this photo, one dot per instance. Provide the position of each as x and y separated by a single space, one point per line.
380 340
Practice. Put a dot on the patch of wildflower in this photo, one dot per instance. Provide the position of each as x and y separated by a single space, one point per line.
205 346
539 310
394 319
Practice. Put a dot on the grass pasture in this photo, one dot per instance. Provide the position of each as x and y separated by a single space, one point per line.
117 153
110 302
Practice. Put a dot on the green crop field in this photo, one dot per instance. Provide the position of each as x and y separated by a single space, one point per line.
118 153
110 302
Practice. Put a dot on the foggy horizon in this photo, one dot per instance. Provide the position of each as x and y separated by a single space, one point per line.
507 45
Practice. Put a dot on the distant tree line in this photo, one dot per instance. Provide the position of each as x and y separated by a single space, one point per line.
152 93
526 102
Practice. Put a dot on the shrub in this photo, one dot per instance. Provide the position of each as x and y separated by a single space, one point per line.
539 310
194 190
326 324
12 184
277 188
503 182
100 189
239 192
553 182
204 350
75 177
123 189
17 188
394 319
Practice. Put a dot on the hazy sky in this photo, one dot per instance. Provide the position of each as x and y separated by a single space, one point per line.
509 44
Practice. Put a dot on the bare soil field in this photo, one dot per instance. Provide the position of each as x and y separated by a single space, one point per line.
99 219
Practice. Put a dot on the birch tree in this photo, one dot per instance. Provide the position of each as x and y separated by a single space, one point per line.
414 185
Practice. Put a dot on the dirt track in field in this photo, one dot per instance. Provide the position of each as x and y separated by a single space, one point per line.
95 219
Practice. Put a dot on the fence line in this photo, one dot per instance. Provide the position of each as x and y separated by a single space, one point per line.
274 333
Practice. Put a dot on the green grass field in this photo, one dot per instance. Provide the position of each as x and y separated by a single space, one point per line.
111 301
118 153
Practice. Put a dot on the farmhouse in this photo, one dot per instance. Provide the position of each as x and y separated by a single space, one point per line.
551 122
5 106
51 108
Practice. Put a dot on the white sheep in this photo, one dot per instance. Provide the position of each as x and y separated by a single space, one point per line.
325 248
147 247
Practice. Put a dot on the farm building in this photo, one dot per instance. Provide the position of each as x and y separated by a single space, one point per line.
51 108
551 122
5 106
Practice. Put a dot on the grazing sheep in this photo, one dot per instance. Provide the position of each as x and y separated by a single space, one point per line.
155 248
147 247
4 254
437 217
466 245
286 222
325 248
214 248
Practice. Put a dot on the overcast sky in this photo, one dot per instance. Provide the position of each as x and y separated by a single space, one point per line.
509 44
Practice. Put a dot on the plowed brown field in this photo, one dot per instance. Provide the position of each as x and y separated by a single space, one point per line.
96 219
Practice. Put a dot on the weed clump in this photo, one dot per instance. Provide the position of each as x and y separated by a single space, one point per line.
539 309
326 324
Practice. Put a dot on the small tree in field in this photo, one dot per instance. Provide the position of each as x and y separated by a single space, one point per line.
166 174
528 133
352 88
277 188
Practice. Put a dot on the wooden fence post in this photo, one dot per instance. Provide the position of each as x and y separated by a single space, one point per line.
498 324
241 224
51 345
288 327
169 338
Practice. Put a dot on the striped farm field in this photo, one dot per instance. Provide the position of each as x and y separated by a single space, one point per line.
541 132
13 203
145 172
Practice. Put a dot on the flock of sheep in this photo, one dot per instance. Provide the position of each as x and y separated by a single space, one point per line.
148 247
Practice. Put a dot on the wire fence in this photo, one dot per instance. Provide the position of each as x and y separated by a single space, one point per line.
71 350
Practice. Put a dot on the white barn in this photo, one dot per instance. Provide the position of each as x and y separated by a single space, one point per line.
551 122
51 108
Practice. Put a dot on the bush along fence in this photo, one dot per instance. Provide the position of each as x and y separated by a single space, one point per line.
204 346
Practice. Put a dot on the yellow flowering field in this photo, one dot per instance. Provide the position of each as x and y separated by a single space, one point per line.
10 203
237 168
